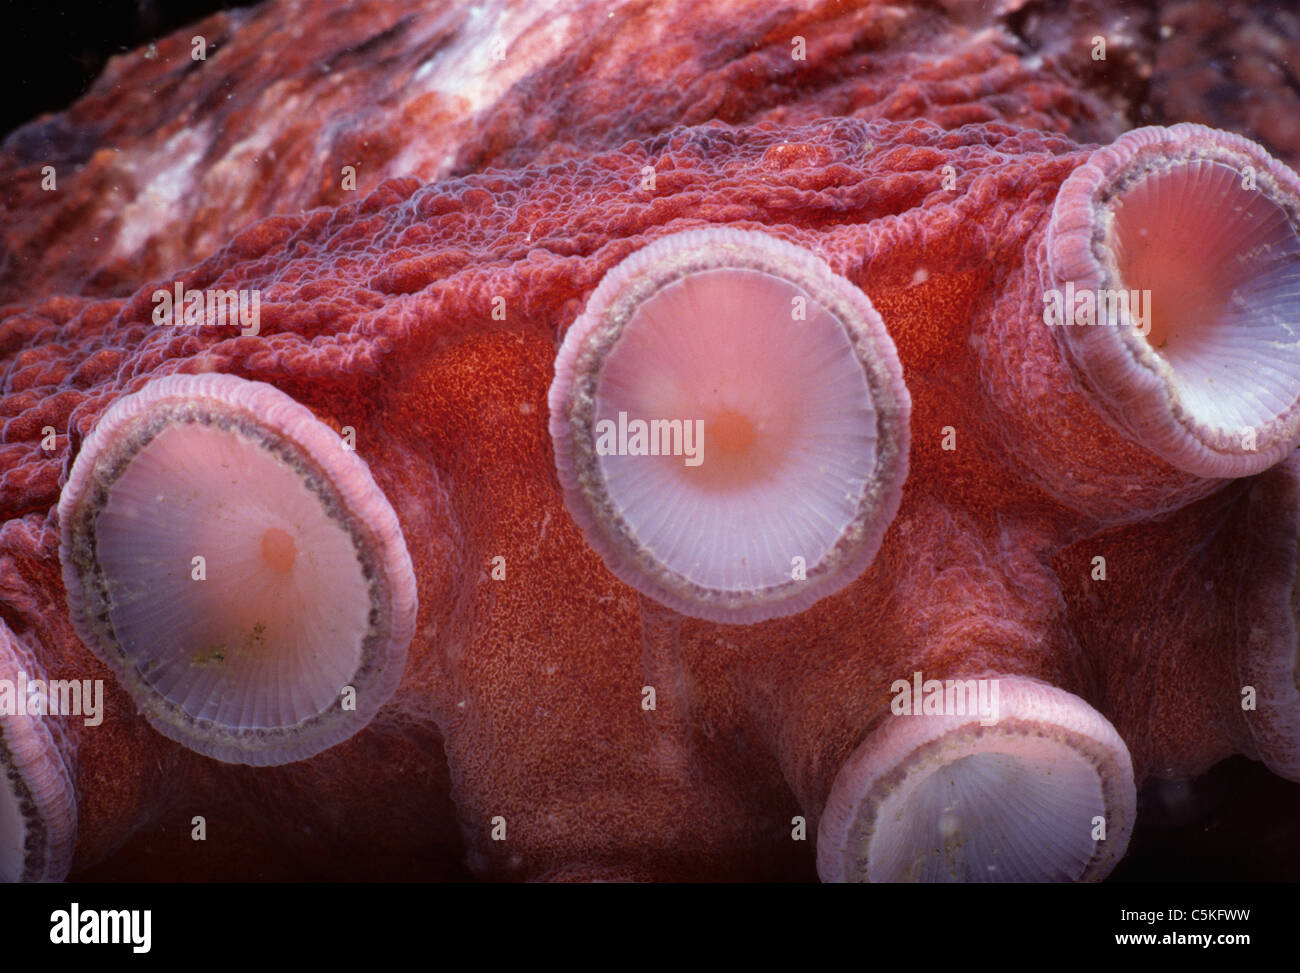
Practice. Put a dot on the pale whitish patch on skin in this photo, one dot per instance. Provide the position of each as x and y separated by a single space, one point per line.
154 207
466 72
232 172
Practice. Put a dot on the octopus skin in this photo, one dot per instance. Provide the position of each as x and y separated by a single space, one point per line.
433 316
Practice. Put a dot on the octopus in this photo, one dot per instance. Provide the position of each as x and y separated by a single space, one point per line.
639 441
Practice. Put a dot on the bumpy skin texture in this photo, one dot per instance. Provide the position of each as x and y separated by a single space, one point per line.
522 697
167 157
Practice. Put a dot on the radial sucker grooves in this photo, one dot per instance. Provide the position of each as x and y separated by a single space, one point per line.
1044 792
38 805
730 425
237 567
1178 252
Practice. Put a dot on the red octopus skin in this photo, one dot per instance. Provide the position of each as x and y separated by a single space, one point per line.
522 698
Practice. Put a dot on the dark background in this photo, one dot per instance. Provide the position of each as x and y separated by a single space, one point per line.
54 50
